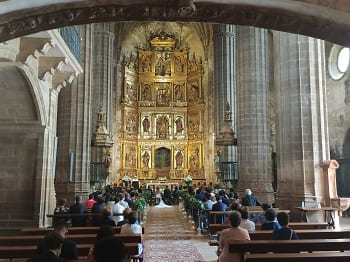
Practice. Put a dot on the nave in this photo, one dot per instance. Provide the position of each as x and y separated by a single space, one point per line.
170 237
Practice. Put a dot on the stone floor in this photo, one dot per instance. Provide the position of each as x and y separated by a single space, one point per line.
170 237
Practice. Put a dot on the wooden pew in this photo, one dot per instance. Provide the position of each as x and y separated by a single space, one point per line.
213 214
71 230
304 234
289 246
214 228
79 239
300 257
11 252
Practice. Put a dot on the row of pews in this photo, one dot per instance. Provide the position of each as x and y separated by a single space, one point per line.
24 246
316 243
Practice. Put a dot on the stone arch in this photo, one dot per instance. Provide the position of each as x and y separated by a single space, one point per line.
16 100
327 20
21 139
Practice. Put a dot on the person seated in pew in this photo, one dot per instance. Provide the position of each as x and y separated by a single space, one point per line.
109 249
218 206
246 223
260 218
69 249
61 209
103 232
106 217
271 223
250 199
78 208
52 244
234 233
208 204
285 232
132 228
90 202
234 206
126 213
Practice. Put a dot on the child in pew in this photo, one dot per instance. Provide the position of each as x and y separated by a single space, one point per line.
285 233
271 223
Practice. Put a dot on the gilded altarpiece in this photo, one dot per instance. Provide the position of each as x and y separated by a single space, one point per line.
162 111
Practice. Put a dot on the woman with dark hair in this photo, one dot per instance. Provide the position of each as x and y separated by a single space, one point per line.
228 235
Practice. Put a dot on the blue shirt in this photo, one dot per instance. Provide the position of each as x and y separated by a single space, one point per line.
284 233
274 225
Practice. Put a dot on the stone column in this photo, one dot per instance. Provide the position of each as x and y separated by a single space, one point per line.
224 80
74 127
103 79
302 134
253 134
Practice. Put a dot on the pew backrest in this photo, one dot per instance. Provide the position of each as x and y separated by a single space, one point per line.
11 252
290 246
299 257
78 239
71 231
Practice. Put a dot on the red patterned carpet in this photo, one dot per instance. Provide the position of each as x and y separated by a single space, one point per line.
168 236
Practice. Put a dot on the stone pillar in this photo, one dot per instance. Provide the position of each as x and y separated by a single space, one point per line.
302 128
74 128
224 80
103 79
253 134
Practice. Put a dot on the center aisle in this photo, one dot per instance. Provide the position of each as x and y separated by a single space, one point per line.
169 237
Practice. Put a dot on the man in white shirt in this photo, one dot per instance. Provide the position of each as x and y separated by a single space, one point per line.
246 223
118 209
122 200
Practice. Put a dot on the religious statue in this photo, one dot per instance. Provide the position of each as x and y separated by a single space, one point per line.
145 159
131 91
162 126
146 93
193 126
179 126
179 158
108 161
217 160
130 158
146 63
163 64
163 97
179 65
146 125
167 64
179 93
131 125
194 159
193 92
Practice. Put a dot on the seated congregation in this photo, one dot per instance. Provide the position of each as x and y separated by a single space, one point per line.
108 227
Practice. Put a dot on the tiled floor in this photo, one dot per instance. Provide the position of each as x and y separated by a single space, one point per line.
170 237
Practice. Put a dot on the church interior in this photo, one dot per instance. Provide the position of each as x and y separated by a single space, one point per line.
178 94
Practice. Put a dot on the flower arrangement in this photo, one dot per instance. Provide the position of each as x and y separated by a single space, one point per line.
188 179
126 180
